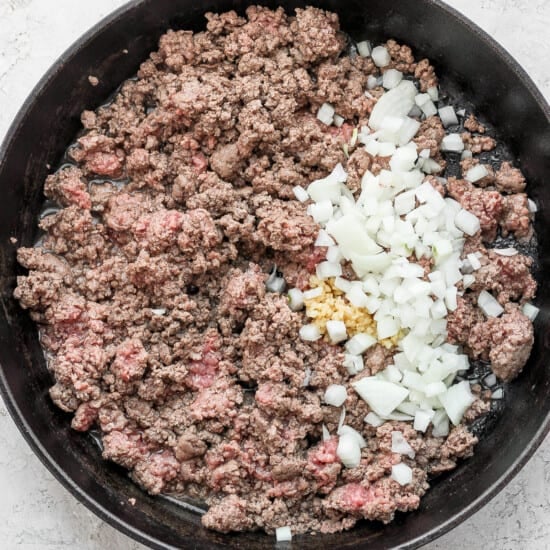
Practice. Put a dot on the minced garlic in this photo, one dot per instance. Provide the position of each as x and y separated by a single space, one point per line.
332 305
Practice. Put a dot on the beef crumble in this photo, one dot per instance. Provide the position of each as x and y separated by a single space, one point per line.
149 286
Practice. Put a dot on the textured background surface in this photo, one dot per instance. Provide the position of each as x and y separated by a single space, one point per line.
37 512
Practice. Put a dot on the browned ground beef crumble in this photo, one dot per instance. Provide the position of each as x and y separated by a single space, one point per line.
149 286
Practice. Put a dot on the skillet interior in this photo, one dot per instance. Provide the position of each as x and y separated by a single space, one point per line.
465 58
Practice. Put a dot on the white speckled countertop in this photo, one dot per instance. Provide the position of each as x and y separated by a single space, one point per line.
38 512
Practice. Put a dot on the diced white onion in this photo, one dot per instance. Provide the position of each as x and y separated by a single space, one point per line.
348 450
326 114
422 420
391 78
476 173
400 445
310 333
338 121
452 143
335 395
467 222
489 304
474 261
326 433
358 437
283 534
498 394
353 363
374 420
505 251
295 299
532 206
530 311
321 212
381 56
360 343
324 239
325 270
456 400
440 424
397 102
274 283
381 396
448 116
336 331
300 193
312 293
364 48
372 82
490 380
159 311
402 474
433 92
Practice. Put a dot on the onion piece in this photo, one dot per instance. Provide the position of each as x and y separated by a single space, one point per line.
360 343
300 193
373 420
422 420
326 114
467 222
353 363
489 304
310 333
440 423
476 173
321 211
452 143
448 116
490 380
402 473
275 284
307 377
433 92
530 311
505 251
349 451
336 331
498 394
397 102
381 396
338 121
325 270
532 206
364 48
358 437
283 534
391 78
474 261
312 293
324 239
295 299
341 419
381 56
456 400
159 311
335 395
400 445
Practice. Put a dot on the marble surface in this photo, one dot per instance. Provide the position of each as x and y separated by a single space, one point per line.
38 512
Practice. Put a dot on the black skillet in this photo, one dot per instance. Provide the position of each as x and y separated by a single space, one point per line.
467 59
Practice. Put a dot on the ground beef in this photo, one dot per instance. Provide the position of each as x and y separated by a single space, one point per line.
507 277
505 341
149 284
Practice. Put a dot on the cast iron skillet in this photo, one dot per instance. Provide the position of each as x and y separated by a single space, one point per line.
112 51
